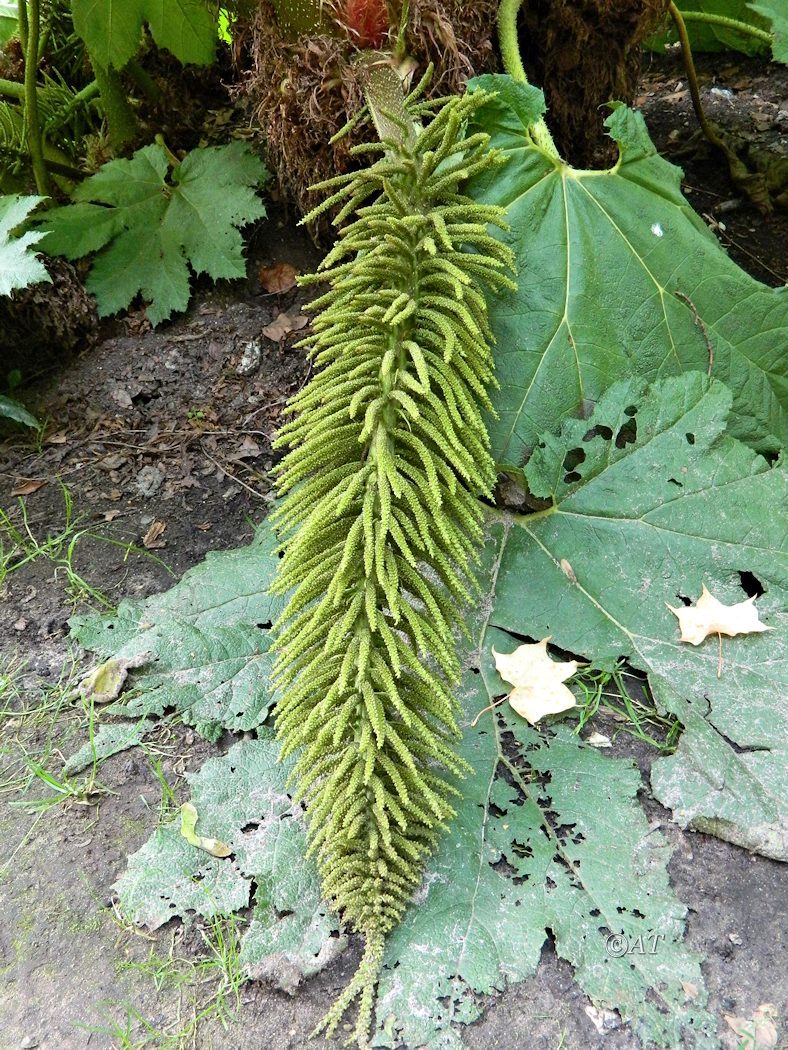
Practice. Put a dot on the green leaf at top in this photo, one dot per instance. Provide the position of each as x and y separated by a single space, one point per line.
776 14
149 221
112 29
19 267
618 277
706 36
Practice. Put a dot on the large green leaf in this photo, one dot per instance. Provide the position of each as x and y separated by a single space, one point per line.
242 799
618 277
526 853
648 522
529 852
203 645
19 267
149 220
112 29
650 498
639 521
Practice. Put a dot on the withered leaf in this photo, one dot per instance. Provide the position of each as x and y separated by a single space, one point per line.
710 616
283 325
537 680
280 277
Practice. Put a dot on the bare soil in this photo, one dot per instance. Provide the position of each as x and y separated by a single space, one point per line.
175 426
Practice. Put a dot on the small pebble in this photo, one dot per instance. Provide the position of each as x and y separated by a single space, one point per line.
250 358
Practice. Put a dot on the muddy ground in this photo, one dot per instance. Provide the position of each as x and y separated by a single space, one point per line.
174 427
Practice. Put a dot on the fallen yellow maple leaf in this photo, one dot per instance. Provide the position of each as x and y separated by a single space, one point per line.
709 616
537 680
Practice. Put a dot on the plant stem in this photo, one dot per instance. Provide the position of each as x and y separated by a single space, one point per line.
34 138
11 89
74 174
121 122
727 23
513 64
692 79
143 80
22 24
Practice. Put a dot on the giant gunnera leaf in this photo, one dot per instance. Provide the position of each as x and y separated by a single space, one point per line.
200 649
241 798
648 499
150 219
112 29
617 277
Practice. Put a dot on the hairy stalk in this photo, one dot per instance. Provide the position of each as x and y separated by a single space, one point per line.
513 64
35 139
724 22
388 454
692 77
122 123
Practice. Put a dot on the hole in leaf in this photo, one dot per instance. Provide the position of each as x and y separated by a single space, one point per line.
684 599
573 458
672 481
503 867
253 825
598 431
631 410
751 585
572 476
266 626
690 439
627 435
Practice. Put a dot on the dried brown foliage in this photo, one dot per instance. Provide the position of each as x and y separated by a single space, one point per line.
41 324
585 53
303 90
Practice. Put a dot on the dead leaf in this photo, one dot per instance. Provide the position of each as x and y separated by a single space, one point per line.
188 826
690 990
103 685
709 616
152 539
280 277
204 526
758 1032
283 325
603 1020
26 488
56 439
110 515
599 740
537 680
